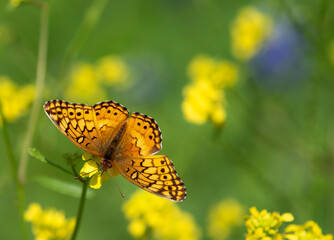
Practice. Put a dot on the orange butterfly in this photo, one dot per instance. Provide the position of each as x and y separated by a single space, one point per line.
123 143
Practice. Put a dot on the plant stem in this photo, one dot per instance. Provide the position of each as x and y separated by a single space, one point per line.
40 79
19 186
80 209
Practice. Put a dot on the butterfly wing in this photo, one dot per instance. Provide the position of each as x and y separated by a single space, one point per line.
109 117
142 136
83 124
155 174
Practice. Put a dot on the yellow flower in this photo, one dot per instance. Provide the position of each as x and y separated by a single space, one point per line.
202 102
112 70
223 217
249 31
203 97
14 100
92 169
84 85
264 226
87 81
219 74
137 228
49 224
308 231
201 66
163 219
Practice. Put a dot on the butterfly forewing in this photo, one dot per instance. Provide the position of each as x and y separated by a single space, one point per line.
77 122
142 136
155 174
109 117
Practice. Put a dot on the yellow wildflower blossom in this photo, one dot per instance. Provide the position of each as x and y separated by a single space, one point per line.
203 97
223 217
14 99
92 169
202 102
220 74
49 224
249 31
163 219
84 85
308 231
112 70
88 81
201 66
264 226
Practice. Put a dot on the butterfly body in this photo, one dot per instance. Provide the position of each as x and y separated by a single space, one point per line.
124 142
113 150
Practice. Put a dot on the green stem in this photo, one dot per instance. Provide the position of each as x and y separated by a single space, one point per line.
59 167
80 209
19 186
40 79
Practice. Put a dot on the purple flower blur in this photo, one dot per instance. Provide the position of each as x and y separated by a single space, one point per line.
282 61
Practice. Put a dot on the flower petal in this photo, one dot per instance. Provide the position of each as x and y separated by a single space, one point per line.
89 169
95 181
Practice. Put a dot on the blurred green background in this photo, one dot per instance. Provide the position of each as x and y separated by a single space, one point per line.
275 151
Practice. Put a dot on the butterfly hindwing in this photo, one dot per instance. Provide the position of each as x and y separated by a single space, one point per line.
155 174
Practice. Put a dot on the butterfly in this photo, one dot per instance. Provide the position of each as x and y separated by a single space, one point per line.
125 143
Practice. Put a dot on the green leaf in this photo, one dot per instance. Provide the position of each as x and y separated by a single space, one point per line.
66 188
36 154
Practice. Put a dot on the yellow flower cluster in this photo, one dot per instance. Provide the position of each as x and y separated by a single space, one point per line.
91 169
308 231
223 217
49 224
203 97
264 225
249 31
14 100
162 218
88 82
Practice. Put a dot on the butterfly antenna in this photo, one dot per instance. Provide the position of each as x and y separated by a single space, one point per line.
116 184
